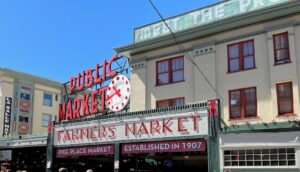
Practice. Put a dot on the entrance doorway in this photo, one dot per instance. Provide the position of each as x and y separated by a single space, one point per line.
165 162
83 163
31 159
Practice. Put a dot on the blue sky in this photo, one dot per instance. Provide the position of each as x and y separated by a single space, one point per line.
60 38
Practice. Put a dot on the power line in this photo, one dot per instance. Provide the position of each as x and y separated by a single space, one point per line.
184 51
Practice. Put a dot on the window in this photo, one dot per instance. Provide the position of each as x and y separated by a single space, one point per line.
170 102
285 98
23 119
243 103
46 119
25 93
47 100
281 48
169 71
241 56
260 157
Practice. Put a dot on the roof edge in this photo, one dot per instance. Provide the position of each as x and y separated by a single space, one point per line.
208 29
31 77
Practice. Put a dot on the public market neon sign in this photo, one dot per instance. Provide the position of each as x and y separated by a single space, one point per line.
89 104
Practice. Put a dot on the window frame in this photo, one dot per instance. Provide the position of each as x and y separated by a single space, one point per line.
169 101
290 83
260 157
44 99
46 114
241 56
243 104
288 60
170 71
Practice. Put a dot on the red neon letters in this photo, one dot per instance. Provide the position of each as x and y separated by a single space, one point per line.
87 78
118 131
80 107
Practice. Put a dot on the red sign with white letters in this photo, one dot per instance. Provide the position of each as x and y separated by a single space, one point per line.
165 146
85 151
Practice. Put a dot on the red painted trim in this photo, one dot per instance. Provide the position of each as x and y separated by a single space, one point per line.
169 83
242 70
253 117
169 60
241 56
243 103
292 98
287 115
288 48
282 63
169 101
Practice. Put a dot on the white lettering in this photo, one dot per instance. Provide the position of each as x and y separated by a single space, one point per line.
275 1
219 11
258 3
244 5
207 15
157 29
176 25
196 17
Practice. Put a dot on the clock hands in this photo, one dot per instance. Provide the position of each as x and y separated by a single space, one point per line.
117 92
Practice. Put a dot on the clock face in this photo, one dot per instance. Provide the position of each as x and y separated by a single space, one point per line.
117 94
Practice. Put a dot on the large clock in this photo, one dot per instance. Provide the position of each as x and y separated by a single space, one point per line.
117 95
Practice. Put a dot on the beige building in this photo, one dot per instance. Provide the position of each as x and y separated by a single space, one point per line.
211 54
34 102
252 63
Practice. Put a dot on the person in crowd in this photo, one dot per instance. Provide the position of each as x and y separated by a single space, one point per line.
89 170
3 168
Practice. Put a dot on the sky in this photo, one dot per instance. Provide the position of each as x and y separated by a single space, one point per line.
57 39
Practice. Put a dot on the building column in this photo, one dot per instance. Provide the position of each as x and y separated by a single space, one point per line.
49 157
117 157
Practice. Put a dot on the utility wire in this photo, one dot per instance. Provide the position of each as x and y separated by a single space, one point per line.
184 51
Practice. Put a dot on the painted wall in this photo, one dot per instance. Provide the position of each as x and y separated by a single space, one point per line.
39 108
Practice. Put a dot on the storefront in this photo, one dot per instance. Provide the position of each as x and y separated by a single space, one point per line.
272 150
24 154
169 139
97 131
180 155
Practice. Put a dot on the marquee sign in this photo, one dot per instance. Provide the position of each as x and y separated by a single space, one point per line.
134 128
202 16
115 95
